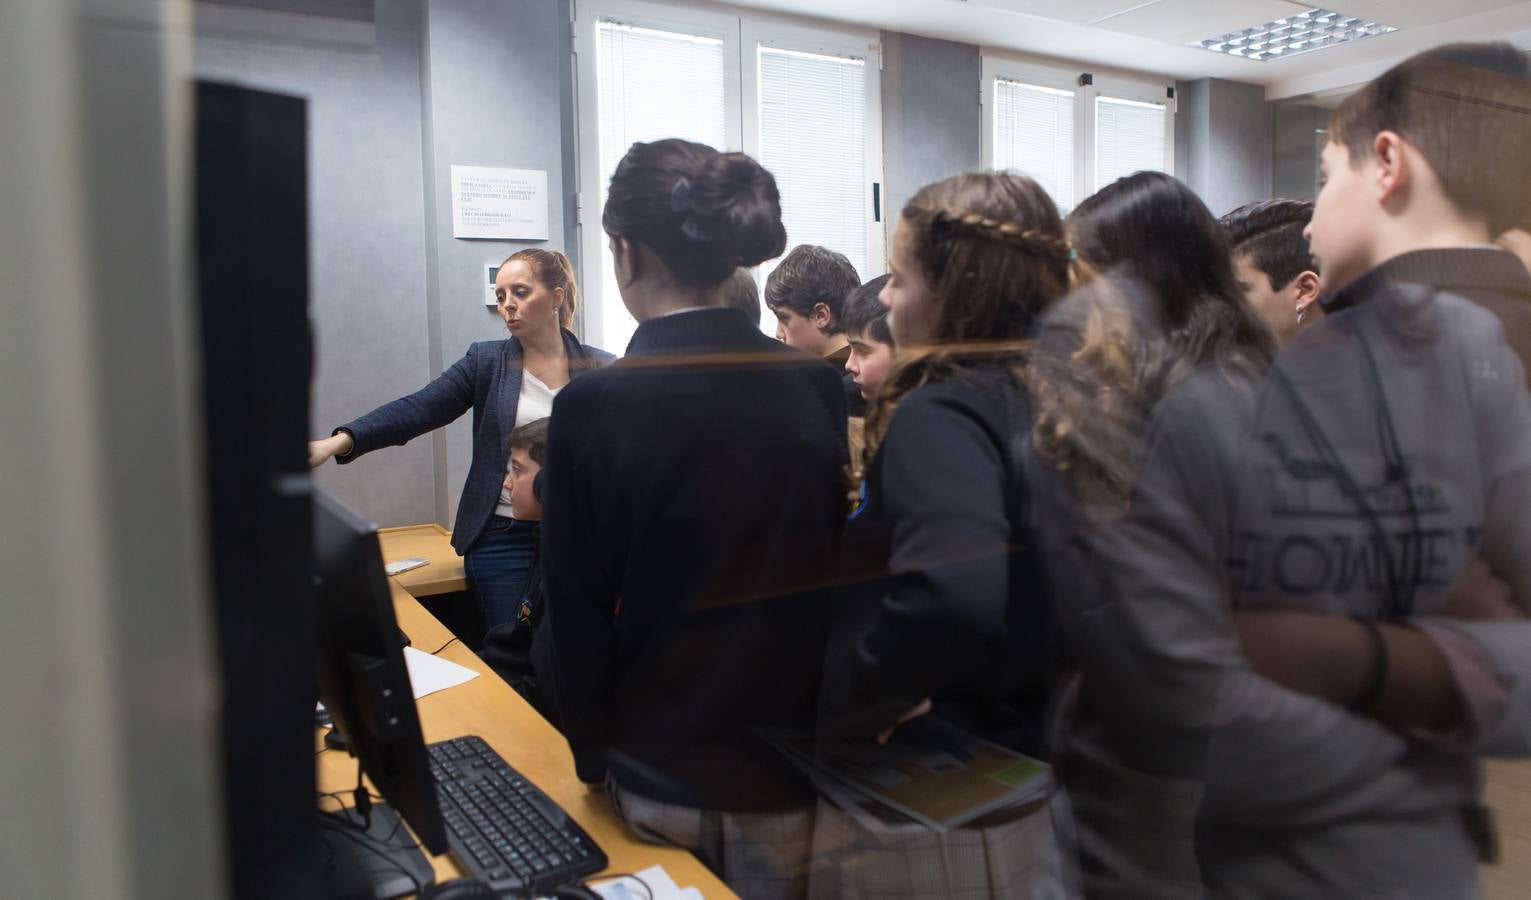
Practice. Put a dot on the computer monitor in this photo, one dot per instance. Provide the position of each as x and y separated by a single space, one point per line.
255 361
363 681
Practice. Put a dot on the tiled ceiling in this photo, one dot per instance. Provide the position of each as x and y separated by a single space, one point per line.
1153 35
1183 21
1201 18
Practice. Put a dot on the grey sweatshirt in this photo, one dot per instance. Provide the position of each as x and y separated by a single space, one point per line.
1389 445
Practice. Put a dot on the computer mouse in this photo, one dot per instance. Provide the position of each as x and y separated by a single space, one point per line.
575 892
460 889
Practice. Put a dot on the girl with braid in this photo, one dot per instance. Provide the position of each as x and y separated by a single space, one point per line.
943 610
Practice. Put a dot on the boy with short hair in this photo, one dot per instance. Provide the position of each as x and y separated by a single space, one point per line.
865 321
740 292
1392 448
1271 260
508 647
806 292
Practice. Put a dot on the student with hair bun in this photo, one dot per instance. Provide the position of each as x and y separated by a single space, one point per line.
506 383
692 512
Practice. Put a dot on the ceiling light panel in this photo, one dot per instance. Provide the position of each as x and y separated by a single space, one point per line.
1305 32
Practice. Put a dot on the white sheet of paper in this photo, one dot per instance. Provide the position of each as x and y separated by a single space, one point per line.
429 674
655 878
492 203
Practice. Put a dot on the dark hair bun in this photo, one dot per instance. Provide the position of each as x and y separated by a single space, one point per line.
734 202
703 212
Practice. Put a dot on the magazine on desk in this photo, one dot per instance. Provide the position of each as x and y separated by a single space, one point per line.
931 774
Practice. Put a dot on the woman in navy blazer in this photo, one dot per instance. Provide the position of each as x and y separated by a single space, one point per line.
506 383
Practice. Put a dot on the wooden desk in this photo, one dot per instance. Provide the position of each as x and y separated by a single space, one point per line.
488 707
1508 793
442 575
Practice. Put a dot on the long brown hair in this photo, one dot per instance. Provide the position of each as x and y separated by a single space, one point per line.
1082 375
553 269
993 255
1152 230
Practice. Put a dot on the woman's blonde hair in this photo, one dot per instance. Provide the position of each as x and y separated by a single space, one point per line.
554 270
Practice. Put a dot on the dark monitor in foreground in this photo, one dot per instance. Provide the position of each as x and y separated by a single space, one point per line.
363 681
254 364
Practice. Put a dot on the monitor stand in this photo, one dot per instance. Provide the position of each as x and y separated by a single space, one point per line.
370 864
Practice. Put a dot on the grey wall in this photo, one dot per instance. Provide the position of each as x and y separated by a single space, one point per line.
355 10
367 232
492 85
1297 144
931 113
1192 122
1223 141
395 297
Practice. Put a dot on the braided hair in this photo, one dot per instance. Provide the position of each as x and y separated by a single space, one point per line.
992 251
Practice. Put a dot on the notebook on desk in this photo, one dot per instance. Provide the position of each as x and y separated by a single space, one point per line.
931 773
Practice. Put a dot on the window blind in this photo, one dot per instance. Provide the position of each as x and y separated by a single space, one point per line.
652 84
1129 137
1034 135
813 131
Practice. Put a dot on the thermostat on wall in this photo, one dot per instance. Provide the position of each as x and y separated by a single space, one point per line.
490 270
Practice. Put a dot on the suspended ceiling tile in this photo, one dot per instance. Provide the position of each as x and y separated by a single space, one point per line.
1184 21
1413 13
1079 13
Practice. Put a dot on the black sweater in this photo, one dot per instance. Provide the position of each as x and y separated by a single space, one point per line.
943 597
690 529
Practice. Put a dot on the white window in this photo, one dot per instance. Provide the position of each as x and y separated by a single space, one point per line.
802 101
1073 134
653 84
1034 134
813 138
1129 137
650 76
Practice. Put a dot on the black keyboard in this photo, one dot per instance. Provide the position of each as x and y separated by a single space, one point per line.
501 828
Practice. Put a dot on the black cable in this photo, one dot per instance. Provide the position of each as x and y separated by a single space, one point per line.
345 814
347 831
363 798
337 796
346 810
446 645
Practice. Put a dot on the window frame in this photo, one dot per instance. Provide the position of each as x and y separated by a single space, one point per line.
588 183
1109 83
741 34
851 43
996 68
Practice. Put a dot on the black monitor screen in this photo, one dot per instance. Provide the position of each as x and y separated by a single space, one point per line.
362 678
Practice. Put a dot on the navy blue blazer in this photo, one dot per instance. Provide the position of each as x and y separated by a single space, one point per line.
487 380
692 510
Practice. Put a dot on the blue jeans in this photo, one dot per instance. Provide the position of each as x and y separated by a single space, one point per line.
498 565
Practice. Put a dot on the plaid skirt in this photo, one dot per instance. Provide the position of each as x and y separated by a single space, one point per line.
1026 856
758 855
